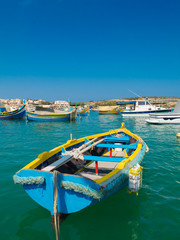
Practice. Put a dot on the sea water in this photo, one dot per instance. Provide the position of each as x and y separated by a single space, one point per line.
152 215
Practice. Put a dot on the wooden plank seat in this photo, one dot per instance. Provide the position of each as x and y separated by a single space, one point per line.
57 163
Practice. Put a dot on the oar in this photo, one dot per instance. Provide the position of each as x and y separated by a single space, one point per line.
84 145
92 145
78 154
68 155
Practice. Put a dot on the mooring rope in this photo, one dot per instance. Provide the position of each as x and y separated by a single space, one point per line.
82 189
28 180
56 217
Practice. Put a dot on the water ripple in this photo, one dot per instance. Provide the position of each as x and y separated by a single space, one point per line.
154 214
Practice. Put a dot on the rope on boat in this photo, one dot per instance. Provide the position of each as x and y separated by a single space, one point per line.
82 189
56 217
28 180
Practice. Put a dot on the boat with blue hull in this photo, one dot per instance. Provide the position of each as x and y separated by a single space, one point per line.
83 112
53 116
82 172
19 113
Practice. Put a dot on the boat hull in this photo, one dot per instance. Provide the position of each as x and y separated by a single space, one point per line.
49 118
16 114
142 113
109 112
76 192
164 120
83 113
70 201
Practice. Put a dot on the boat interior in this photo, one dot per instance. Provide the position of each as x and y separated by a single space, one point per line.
97 157
49 111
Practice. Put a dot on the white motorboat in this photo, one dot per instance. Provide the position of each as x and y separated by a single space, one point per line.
141 108
169 118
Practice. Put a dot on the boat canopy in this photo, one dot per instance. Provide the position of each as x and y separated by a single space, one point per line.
125 103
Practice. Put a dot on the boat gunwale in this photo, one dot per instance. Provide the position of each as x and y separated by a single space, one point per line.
9 113
46 155
109 111
49 115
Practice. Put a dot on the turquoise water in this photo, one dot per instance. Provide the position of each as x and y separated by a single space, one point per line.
154 214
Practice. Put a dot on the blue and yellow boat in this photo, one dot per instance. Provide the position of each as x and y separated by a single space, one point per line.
51 116
83 112
109 110
82 172
19 113
115 112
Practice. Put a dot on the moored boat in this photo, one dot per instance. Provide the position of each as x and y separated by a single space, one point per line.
168 118
82 172
49 115
83 112
140 108
18 113
109 110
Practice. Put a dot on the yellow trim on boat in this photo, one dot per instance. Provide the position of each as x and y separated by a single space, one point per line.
120 166
45 155
125 153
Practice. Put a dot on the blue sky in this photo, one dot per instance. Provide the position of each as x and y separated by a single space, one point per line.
86 50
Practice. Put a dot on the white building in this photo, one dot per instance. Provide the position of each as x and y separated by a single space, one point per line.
62 104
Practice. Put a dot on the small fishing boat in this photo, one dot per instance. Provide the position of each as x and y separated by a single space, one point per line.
18 113
95 110
49 115
168 118
140 108
84 171
109 110
83 112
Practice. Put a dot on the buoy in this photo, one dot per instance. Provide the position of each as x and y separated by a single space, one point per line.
135 178
178 135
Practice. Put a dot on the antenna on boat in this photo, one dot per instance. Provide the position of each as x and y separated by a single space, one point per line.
134 93
146 99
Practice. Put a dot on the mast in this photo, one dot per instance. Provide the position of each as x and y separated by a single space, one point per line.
145 99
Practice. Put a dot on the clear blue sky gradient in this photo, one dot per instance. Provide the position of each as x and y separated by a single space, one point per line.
89 49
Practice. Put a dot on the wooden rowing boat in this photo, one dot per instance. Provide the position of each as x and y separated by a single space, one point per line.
82 172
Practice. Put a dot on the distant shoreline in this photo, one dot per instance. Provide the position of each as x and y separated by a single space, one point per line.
163 100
